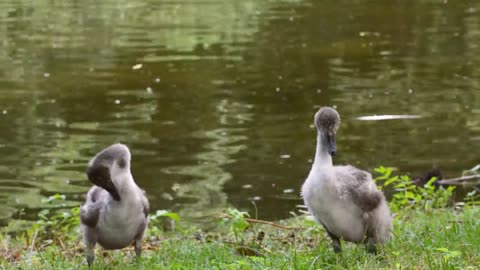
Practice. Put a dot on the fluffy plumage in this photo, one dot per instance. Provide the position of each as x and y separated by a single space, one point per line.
115 213
344 199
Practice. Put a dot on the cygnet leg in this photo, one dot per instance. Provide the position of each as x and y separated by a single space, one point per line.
89 240
370 245
371 248
370 241
90 252
138 247
337 246
138 239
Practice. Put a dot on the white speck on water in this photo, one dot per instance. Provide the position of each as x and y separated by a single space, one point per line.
319 91
256 198
385 53
4 112
247 186
277 89
137 66
149 90
157 80
176 187
168 123
117 101
91 69
286 156
410 91
280 77
370 95
167 196
388 117
273 185
68 181
46 74
289 190
291 19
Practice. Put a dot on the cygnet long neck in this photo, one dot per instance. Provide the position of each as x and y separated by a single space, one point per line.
322 157
126 187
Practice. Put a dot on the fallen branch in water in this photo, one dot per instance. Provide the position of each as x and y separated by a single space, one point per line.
459 180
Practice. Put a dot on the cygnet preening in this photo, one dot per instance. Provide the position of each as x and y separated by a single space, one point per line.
344 199
116 209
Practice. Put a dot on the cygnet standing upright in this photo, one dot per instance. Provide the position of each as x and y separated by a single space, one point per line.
115 213
344 199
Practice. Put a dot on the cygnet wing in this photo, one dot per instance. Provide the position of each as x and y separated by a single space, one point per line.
146 205
90 211
358 186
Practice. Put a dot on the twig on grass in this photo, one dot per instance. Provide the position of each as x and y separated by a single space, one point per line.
259 221
32 246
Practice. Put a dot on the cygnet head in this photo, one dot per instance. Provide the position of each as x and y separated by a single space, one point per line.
327 121
107 168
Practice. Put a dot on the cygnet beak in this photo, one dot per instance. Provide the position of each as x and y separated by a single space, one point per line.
331 144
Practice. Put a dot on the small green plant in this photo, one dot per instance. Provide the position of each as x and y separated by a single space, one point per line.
61 222
162 220
409 196
472 198
235 220
164 213
447 260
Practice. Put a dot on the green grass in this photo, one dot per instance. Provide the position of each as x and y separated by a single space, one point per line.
424 239
428 235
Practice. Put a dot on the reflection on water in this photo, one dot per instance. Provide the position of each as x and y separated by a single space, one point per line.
204 196
216 98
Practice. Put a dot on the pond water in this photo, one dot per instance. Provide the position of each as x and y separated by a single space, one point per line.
216 98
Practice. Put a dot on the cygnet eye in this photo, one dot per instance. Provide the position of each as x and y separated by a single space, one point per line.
122 163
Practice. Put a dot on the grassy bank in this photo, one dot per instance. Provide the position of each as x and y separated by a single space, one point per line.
436 239
429 234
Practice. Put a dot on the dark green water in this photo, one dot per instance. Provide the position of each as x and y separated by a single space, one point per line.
216 98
